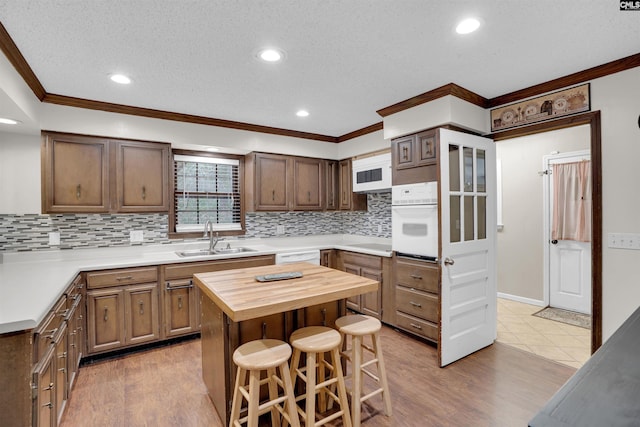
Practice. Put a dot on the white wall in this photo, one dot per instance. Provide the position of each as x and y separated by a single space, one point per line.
520 243
19 173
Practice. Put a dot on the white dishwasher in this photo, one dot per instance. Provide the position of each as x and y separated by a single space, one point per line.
311 256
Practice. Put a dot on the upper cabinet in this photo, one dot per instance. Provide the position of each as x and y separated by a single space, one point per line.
308 185
85 174
414 158
142 176
349 200
75 174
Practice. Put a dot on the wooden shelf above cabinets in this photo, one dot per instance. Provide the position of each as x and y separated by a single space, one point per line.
87 174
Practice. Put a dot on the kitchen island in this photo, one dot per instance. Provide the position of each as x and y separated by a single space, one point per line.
236 308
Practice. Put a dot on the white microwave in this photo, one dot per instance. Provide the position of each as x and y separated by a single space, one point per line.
372 174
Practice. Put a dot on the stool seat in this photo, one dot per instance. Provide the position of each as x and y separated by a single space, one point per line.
316 339
358 324
262 354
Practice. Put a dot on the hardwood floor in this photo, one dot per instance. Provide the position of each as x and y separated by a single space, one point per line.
497 386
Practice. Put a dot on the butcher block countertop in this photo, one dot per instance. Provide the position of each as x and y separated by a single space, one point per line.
242 297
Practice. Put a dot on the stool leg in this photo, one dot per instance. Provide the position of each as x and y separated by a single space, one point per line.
290 403
322 376
254 398
310 412
382 373
273 395
241 377
356 375
342 389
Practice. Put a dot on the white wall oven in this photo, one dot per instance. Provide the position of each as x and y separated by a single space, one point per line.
414 219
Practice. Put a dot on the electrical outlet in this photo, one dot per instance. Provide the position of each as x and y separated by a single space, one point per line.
279 229
54 238
379 228
136 236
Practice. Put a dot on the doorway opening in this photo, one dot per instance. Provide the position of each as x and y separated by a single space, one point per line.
591 129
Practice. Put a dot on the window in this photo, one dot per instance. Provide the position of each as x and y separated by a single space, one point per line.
205 189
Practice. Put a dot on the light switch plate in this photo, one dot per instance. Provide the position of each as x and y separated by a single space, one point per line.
623 241
136 236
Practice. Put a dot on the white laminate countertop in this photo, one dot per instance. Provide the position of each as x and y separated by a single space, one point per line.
31 282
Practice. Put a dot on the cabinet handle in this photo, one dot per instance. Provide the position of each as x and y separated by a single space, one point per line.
264 330
63 355
415 304
141 304
124 278
308 196
49 334
49 405
64 313
415 326
144 192
273 195
324 317
415 276
78 192
50 387
405 152
180 302
106 313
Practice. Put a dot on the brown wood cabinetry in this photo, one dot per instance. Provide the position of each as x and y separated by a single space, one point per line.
332 185
372 267
417 290
349 201
328 258
87 174
414 158
75 174
142 176
43 384
281 183
122 308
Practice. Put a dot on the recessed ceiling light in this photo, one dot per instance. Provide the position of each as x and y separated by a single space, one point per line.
212 149
302 113
271 55
7 121
120 78
467 26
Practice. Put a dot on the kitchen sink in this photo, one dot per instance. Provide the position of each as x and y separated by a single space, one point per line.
206 252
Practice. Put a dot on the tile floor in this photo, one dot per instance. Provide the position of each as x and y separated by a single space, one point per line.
566 344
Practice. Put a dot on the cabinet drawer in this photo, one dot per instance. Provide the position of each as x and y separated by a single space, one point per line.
417 303
74 291
362 260
45 334
417 326
187 270
417 274
125 276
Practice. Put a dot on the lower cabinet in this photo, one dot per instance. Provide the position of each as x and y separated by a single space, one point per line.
368 266
417 293
120 315
44 393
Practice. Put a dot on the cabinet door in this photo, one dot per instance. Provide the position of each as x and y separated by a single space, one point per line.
308 185
62 378
353 302
403 152
331 186
327 258
320 315
426 148
105 317
43 383
142 176
141 308
272 181
75 174
371 303
348 199
180 308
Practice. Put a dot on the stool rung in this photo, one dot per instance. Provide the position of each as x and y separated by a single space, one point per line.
373 393
326 383
370 375
368 362
329 418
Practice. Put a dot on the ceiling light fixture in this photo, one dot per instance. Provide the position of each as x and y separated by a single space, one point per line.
212 149
6 121
302 113
121 79
271 55
467 26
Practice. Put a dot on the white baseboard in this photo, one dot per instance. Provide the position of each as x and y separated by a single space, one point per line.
522 299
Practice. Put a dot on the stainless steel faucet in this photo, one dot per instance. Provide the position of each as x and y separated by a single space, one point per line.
208 227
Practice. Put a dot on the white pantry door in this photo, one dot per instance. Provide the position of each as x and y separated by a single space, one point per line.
468 244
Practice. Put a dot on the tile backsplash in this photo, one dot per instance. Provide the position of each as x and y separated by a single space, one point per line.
31 232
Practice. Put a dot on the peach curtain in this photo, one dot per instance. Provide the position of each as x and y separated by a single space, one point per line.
572 201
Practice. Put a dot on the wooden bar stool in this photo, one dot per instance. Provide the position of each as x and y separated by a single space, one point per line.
315 341
358 326
253 358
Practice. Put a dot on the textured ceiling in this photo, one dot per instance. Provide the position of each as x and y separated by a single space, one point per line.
345 59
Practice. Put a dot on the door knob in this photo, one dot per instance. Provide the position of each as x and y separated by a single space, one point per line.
554 242
448 261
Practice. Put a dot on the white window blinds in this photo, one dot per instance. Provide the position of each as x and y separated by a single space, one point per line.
206 188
